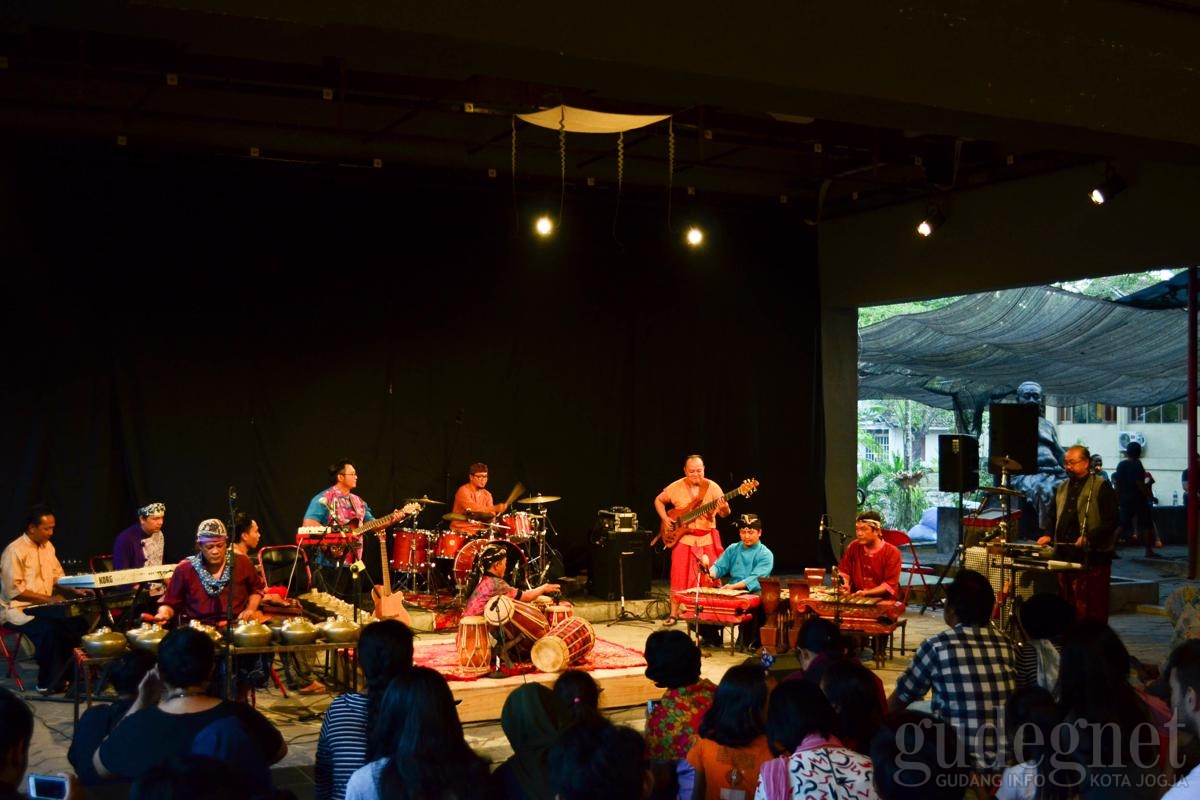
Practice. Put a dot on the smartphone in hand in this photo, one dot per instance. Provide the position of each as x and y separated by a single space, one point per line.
48 787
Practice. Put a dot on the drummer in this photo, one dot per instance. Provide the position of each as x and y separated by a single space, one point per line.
486 580
474 501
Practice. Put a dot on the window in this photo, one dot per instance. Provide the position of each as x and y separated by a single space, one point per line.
883 453
1168 412
1088 413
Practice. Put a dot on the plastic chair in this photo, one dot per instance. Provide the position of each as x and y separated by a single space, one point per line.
10 651
900 539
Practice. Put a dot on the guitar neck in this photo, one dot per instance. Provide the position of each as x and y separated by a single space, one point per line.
704 509
386 586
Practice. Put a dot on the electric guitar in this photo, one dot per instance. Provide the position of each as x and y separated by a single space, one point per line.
388 605
678 518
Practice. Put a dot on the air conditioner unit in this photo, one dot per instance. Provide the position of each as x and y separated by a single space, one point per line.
1125 437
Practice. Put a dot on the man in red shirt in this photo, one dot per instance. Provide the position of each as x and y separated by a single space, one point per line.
700 543
870 566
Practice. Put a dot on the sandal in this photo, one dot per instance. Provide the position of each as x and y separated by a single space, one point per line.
669 622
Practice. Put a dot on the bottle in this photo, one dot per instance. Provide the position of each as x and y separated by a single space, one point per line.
1174 498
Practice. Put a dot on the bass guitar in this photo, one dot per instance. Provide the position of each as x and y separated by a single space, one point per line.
387 604
678 518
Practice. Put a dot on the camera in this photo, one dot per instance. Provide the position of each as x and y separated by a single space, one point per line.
48 787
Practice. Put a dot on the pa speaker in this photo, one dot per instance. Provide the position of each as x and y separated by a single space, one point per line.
958 463
1014 433
617 557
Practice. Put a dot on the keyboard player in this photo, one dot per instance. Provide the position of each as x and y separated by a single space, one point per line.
1085 529
29 575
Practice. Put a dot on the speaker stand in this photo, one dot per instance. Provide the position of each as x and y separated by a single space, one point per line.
623 615
956 559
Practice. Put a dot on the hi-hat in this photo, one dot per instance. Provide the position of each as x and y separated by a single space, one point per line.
1004 463
425 501
1001 490
538 499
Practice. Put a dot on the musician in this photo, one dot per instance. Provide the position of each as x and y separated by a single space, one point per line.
700 545
141 544
486 580
870 567
337 506
1085 531
474 500
245 535
199 589
29 573
743 566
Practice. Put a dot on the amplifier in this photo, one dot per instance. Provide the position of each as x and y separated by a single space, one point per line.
1028 582
617 520
621 556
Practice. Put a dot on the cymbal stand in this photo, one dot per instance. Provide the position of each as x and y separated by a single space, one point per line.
545 551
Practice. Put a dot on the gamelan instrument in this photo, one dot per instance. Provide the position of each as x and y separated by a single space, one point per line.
388 605
678 518
824 604
717 604
564 644
117 577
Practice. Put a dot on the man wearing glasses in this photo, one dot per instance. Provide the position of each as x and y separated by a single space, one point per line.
870 567
337 505
473 500
1085 532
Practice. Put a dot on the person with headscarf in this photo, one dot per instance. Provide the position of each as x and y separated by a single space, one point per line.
533 719
199 589
141 544
486 580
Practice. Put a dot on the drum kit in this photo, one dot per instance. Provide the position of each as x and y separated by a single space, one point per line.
443 558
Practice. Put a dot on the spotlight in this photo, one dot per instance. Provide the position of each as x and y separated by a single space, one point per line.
544 226
934 219
1112 185
694 236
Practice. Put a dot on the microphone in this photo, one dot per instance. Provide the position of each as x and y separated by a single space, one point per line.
822 527
989 536
233 493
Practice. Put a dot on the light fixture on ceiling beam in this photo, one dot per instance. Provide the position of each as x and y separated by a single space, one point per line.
1112 185
935 217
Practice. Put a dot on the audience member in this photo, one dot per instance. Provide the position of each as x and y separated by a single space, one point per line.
580 692
859 703
733 742
969 668
173 711
815 764
532 718
98 721
423 754
916 757
1045 618
15 735
599 762
1183 675
673 663
385 649
188 777
819 644
1030 717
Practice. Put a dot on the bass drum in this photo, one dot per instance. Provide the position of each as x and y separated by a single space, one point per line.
516 573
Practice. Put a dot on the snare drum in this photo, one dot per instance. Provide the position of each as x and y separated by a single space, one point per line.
518 526
474 644
409 549
566 643
517 620
449 543
558 612
514 572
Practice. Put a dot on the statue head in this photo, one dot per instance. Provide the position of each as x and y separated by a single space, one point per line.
1030 392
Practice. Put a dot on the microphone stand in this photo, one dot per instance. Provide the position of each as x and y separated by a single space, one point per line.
700 572
231 565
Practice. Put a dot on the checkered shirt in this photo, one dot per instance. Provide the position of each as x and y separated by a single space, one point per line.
971 671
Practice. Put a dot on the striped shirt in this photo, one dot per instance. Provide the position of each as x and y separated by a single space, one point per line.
342 747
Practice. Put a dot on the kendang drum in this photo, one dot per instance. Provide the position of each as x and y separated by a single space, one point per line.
409 551
517 526
448 544
474 644
514 573
516 620
565 644
558 612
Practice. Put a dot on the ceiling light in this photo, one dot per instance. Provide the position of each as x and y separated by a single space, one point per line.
544 226
694 236
1112 185
934 219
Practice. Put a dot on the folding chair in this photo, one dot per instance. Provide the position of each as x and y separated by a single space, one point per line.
284 565
10 651
900 539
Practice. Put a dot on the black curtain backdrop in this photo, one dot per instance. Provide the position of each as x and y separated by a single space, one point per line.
180 324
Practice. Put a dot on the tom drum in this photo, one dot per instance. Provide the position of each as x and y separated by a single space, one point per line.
410 549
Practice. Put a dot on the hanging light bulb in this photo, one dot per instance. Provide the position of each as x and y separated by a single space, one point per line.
544 226
694 236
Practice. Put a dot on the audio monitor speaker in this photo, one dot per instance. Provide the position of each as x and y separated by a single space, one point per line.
958 463
617 552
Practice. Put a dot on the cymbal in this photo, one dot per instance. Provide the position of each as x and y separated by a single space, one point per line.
1004 463
452 517
425 501
538 499
1001 490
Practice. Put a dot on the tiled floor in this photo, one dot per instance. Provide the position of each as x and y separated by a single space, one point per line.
299 718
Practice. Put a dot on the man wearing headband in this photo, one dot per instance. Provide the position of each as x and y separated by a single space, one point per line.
870 566
199 589
700 543
486 580
474 500
141 544
743 566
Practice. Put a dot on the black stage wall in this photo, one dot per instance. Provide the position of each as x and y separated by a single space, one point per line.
180 324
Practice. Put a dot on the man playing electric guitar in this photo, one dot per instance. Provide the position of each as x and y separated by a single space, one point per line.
695 546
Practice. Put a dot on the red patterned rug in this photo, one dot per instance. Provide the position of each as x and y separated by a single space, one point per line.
605 655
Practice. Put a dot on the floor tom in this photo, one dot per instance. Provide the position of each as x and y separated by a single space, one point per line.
449 543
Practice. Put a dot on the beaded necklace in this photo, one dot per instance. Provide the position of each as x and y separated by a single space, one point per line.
212 585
